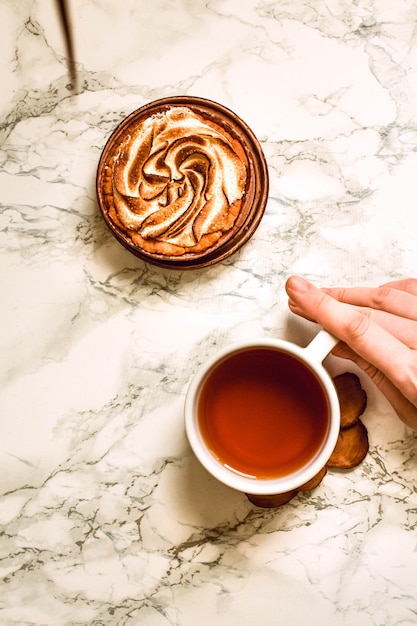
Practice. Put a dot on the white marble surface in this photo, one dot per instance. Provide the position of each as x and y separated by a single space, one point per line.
106 518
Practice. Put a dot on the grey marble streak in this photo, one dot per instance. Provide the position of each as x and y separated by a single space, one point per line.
105 515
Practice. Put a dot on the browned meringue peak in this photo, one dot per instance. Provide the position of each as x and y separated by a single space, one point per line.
178 182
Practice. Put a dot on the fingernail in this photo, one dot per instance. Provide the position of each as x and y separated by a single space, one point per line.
296 284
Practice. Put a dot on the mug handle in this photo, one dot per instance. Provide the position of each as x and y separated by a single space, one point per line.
320 346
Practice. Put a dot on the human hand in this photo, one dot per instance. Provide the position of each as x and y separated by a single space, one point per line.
378 331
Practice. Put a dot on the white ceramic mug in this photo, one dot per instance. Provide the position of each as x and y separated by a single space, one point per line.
307 384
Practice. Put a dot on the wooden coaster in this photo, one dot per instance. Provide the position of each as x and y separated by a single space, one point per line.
352 398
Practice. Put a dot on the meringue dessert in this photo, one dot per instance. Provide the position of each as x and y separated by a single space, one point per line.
175 182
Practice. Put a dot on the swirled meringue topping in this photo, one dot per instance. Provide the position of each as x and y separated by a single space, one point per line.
176 183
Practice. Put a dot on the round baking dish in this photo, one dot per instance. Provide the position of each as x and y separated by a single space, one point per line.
254 196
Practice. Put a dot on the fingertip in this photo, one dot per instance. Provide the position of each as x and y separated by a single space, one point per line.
296 285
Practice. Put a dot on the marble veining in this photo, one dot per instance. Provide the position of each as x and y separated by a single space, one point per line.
106 518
